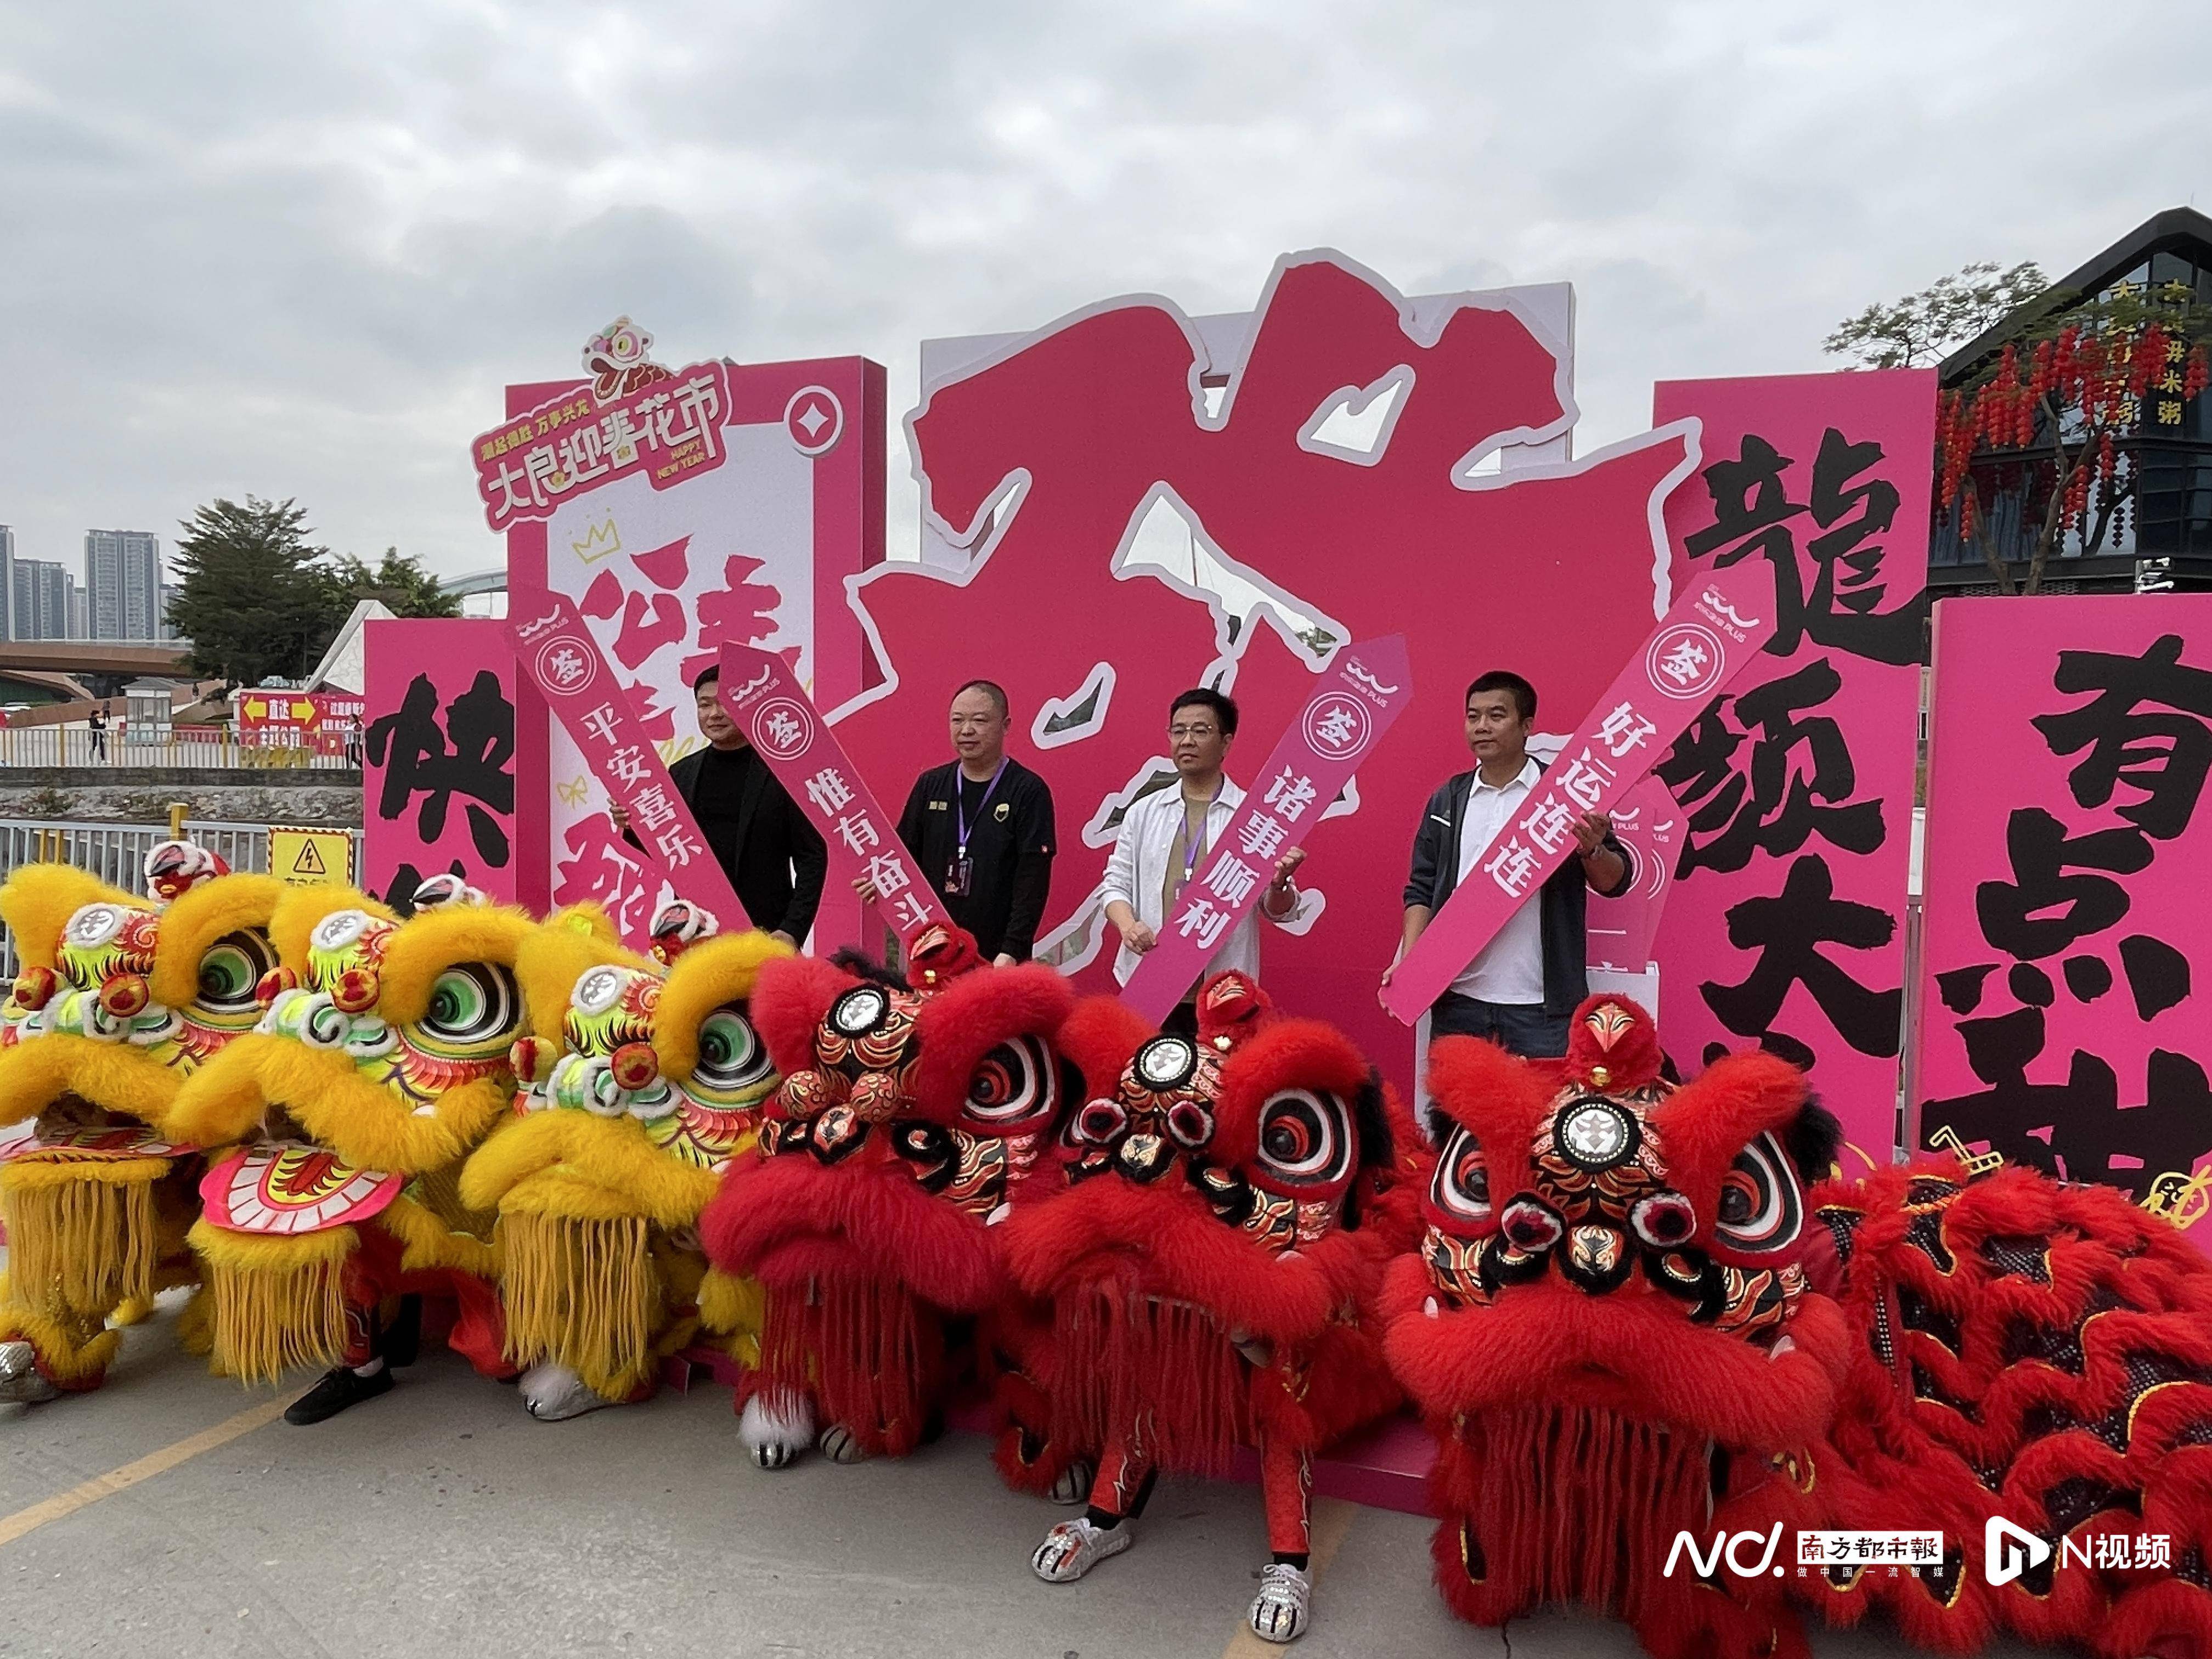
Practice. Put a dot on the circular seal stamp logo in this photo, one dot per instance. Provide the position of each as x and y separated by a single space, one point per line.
814 419
1339 726
783 727
567 665
1686 660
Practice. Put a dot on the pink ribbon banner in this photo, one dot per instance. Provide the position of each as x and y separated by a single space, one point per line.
1366 688
1689 659
773 710
556 649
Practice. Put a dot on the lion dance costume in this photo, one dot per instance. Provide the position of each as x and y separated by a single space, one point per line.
117 1002
1630 1326
382 1058
909 1117
625 1127
1228 1208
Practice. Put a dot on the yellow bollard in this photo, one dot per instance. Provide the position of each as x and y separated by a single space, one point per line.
177 811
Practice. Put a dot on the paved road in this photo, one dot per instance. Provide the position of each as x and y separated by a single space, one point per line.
441 1519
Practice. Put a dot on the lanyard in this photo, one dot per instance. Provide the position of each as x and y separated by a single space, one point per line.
1195 850
960 801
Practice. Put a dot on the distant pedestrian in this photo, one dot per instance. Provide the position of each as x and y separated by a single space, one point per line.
99 724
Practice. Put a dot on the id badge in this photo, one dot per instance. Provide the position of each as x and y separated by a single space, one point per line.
957 874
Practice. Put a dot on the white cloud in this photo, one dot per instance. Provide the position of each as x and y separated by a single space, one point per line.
297 251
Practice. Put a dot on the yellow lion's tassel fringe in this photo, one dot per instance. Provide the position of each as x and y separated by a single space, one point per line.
82 1236
583 1293
279 1302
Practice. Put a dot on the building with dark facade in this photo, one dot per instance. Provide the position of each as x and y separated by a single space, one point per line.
2164 538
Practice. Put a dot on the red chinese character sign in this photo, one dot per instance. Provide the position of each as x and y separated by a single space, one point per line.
781 723
666 856
1698 649
1786 927
2066 959
1139 515
676 510
1364 692
437 745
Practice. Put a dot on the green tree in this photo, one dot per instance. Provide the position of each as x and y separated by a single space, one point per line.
1924 327
252 597
401 583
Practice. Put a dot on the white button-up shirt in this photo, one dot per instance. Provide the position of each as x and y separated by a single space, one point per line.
1137 871
1510 969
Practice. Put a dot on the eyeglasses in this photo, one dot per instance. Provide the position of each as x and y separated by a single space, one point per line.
1192 730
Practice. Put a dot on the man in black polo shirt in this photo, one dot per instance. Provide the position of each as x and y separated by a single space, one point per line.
981 827
773 856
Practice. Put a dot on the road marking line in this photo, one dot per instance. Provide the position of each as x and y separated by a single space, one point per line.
144 1468
1332 1519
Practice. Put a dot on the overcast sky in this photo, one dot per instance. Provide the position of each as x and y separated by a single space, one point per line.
296 250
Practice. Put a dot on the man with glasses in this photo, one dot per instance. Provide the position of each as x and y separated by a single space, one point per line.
981 827
1164 842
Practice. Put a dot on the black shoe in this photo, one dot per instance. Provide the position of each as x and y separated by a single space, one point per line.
337 1390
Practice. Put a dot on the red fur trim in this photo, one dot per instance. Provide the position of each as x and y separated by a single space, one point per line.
1705 1124
1614 1034
1157 1377
971 1016
788 1001
1099 1036
873 1359
1500 1097
1288 1053
784 1219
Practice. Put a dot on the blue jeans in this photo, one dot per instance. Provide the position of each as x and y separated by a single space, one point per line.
1522 1029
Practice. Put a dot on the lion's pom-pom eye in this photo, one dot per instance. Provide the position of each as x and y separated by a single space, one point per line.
125 994
635 1066
34 987
356 991
274 983
531 1059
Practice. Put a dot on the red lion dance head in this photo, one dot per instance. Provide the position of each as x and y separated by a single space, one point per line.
1230 1203
1653 1359
909 1114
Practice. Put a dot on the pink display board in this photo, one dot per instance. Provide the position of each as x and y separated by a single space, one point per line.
1785 928
774 712
1620 929
438 750
1355 703
747 533
1332 472
2066 961
1700 647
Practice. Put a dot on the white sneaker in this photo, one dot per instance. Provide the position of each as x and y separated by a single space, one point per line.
775 1434
1281 1609
22 1382
1073 1548
1075 1484
553 1393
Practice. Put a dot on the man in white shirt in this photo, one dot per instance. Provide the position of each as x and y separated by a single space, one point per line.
1165 837
1523 987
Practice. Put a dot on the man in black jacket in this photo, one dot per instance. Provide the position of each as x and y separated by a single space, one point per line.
1520 990
773 856
981 827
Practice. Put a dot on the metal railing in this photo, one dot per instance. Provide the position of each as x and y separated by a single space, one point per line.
115 852
173 746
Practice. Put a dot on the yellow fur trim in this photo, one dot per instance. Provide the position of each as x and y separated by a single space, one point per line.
711 973
200 916
428 1240
196 1323
279 1302
570 1163
37 900
322 1092
585 1293
75 1353
434 941
589 920
81 1238
115 1076
729 1304
552 959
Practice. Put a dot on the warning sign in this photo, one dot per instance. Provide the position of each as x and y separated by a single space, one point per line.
311 858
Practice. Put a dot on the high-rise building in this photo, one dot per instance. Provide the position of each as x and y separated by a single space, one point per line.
7 582
42 599
123 575
22 601
79 610
169 592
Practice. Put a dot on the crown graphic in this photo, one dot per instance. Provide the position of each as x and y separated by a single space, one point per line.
599 540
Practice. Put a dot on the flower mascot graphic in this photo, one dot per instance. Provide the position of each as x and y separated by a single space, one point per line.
381 1059
1227 1208
117 1002
909 1116
626 1122
1637 1335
